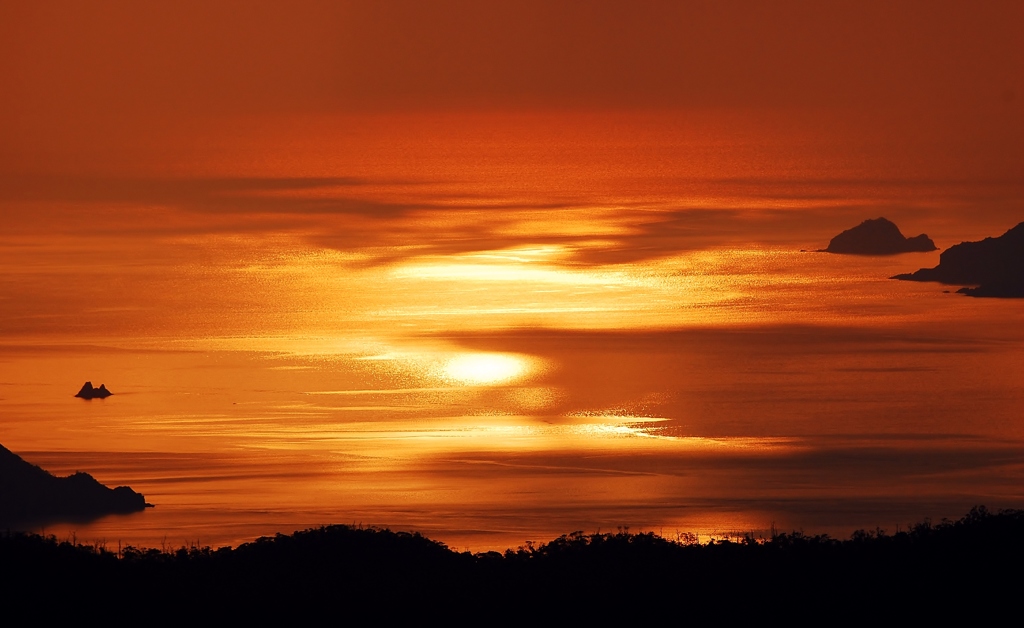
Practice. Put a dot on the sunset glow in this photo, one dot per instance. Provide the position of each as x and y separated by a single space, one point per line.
498 271
484 368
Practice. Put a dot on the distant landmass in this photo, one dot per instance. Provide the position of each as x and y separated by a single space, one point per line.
995 266
88 392
878 236
29 494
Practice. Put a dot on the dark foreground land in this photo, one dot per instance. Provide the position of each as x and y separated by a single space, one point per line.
971 567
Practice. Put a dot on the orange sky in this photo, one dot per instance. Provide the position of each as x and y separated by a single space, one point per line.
109 83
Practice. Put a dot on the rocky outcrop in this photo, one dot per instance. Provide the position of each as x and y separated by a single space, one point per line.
29 495
88 392
878 236
993 267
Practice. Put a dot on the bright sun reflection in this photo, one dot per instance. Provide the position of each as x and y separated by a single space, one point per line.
478 369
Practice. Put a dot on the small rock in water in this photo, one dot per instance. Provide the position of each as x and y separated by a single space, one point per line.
88 392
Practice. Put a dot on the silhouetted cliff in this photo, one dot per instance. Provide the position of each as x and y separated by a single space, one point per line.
878 237
994 265
29 494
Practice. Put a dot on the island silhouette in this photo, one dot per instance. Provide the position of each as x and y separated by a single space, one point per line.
993 267
877 236
88 392
31 495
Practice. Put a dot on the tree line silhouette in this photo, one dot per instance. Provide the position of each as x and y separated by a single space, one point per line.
970 566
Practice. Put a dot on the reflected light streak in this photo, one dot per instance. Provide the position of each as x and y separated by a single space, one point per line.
481 369
538 264
512 272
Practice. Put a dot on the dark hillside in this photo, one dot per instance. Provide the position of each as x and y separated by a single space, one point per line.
926 572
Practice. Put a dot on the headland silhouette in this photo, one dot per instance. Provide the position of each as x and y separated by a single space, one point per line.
30 495
993 267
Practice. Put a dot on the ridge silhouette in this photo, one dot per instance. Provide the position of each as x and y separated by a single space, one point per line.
925 571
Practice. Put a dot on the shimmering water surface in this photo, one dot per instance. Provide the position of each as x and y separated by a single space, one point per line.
495 339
